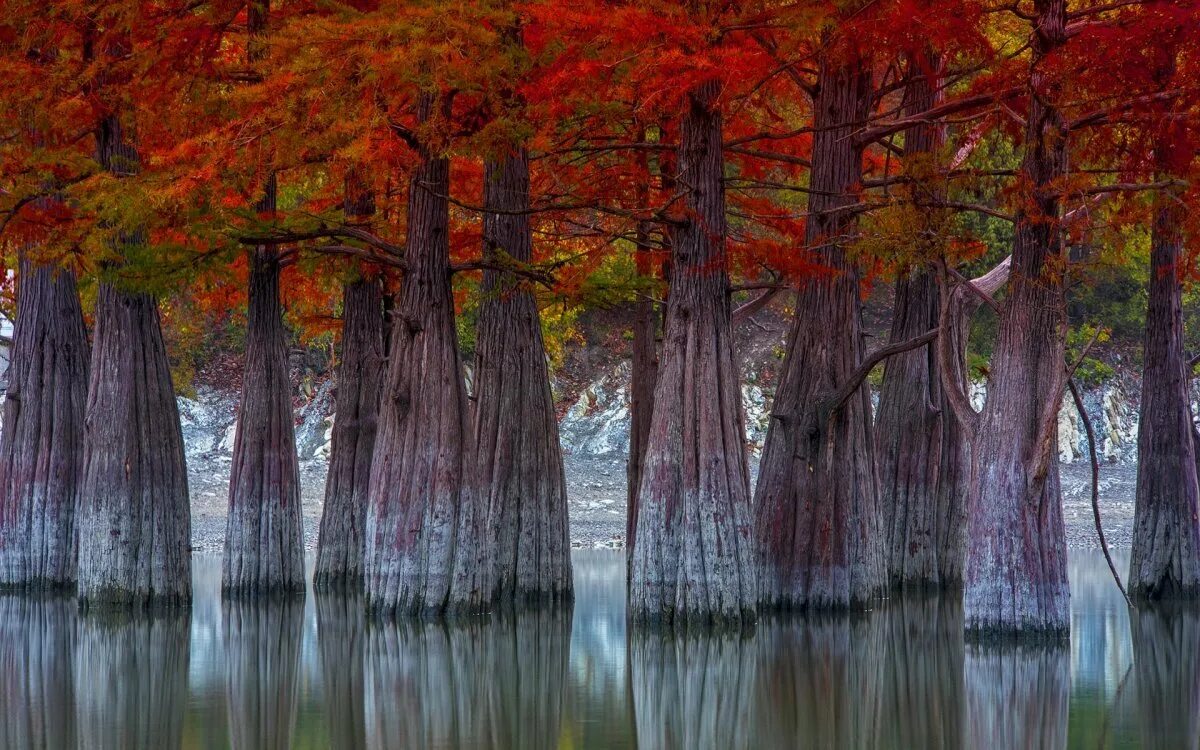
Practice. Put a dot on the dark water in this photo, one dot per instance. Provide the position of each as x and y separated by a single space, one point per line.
315 675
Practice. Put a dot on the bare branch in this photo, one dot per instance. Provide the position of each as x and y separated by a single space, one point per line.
1091 440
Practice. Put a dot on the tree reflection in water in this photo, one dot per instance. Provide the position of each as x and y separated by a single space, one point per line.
1017 695
492 684
340 636
897 678
1166 666
262 664
37 686
131 680
267 675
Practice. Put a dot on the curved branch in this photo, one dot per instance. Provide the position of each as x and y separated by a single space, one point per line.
960 402
1091 439
758 303
839 397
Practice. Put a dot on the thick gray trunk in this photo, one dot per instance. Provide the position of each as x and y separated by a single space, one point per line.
520 468
134 512
264 538
693 561
1016 580
41 448
817 500
131 676
424 551
262 671
359 383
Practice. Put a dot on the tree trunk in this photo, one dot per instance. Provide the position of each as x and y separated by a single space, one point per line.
643 376
134 508
131 677
424 552
693 561
359 382
816 505
41 448
1016 562
521 478
923 454
262 671
264 538
1165 560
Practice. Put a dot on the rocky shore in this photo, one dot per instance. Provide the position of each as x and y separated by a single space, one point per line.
595 437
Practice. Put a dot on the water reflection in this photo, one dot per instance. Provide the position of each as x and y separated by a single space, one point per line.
922 675
497 684
317 674
131 680
1017 696
1166 647
37 695
262 665
340 635
888 679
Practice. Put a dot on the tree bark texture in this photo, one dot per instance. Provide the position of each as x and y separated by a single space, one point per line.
37 648
131 680
1016 582
817 499
359 383
262 671
520 466
1165 559
264 537
643 376
693 561
134 511
923 454
424 551
41 447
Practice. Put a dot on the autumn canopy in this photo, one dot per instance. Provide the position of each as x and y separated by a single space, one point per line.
441 186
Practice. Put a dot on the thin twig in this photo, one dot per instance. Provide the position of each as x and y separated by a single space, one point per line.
1091 439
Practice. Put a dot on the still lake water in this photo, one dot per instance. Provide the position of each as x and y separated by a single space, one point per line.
316 675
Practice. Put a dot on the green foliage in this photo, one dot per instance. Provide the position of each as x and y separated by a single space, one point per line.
1091 372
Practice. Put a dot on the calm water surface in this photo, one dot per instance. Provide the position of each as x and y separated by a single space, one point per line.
316 675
